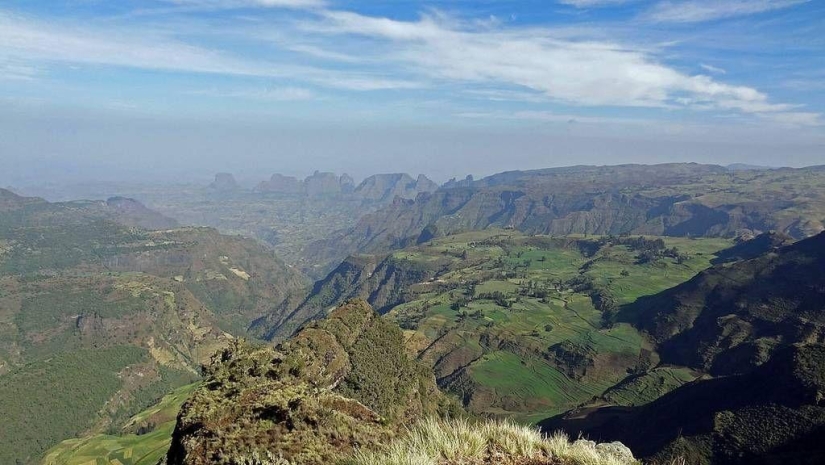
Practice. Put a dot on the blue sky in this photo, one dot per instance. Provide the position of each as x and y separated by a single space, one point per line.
442 87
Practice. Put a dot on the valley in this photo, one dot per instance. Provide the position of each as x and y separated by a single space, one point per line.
574 329
106 318
519 325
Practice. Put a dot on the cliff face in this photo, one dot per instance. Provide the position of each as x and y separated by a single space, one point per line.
774 414
224 182
339 384
380 280
379 188
757 327
385 187
669 200
281 184
730 318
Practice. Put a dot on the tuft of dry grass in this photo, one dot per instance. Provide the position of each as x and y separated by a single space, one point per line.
460 442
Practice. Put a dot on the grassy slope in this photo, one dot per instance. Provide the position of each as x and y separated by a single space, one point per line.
127 448
79 288
433 442
505 349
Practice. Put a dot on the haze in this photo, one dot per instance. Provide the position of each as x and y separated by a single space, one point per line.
177 90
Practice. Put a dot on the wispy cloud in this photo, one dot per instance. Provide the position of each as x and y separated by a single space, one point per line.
17 71
359 52
589 73
23 40
712 69
708 10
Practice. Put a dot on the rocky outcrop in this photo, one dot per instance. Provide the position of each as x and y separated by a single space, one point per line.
385 187
340 384
280 184
732 317
380 280
224 182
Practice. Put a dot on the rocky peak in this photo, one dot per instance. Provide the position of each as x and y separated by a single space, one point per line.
224 182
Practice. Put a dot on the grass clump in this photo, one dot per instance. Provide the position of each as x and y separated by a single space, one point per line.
460 442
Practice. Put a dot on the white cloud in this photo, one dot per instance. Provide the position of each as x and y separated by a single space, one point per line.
712 69
17 71
24 41
368 53
708 10
586 73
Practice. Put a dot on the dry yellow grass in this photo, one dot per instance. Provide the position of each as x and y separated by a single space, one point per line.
459 442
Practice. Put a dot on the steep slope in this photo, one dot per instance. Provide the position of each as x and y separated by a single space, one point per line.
107 317
340 383
758 325
753 247
774 414
514 324
384 188
729 319
383 281
143 440
671 200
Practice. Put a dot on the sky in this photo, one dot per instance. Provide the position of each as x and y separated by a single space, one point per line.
174 90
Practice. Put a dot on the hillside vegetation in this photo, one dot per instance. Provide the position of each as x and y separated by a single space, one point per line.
143 440
514 324
759 325
340 384
284 212
107 317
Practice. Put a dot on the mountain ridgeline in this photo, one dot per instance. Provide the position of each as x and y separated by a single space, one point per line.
382 280
380 188
671 200
105 314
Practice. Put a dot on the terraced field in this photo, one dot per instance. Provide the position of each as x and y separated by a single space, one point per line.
524 326
144 440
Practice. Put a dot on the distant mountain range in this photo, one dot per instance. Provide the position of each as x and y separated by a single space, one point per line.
671 200
675 308
380 188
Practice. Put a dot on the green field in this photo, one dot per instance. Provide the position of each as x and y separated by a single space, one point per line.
135 446
524 326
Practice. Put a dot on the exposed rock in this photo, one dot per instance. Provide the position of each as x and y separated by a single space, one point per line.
224 182
341 383
281 184
320 184
385 187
